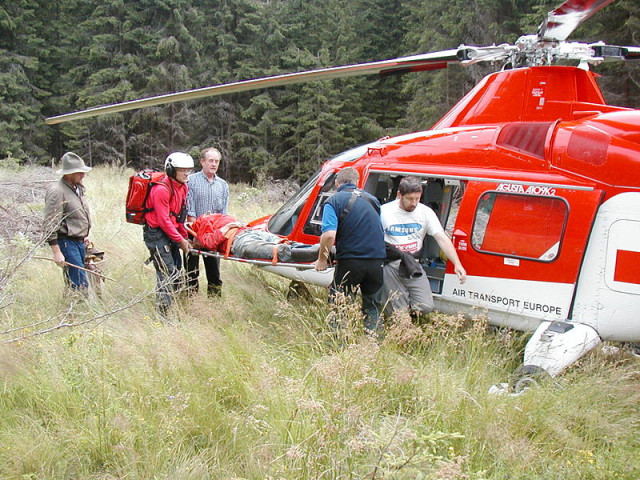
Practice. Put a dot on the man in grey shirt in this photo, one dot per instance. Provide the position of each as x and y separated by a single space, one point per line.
208 193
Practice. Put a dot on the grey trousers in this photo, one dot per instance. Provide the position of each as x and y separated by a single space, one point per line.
400 293
168 264
259 244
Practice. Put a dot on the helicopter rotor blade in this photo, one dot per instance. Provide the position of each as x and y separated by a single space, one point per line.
631 53
426 61
615 52
562 21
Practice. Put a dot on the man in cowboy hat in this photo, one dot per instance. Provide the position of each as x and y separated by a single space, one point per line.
67 220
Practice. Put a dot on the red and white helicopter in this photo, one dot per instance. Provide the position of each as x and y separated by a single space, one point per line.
536 178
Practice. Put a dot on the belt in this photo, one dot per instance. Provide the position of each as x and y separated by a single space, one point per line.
67 237
230 235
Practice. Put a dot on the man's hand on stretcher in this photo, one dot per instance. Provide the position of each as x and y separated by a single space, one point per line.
185 245
321 264
327 240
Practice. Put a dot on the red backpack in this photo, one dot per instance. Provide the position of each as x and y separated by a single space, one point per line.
140 184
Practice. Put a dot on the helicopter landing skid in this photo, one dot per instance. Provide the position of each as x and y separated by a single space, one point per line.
556 345
553 347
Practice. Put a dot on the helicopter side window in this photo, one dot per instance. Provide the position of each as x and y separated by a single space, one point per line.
454 191
314 224
523 226
432 193
316 216
443 196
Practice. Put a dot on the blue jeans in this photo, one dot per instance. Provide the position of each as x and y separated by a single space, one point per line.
74 252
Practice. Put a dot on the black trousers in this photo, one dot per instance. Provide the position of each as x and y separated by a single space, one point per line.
366 273
211 268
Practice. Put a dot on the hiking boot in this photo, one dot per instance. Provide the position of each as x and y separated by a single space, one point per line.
214 291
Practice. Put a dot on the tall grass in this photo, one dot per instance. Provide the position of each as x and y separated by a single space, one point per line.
256 386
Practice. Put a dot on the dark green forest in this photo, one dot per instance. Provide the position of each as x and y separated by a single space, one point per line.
57 56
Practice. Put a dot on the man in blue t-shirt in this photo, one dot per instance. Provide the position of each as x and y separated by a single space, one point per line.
351 220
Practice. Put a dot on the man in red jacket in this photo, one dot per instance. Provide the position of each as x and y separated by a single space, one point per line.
224 234
164 232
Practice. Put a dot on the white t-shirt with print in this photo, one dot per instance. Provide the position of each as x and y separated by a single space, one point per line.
407 230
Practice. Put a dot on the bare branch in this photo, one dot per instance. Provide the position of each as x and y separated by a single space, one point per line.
64 323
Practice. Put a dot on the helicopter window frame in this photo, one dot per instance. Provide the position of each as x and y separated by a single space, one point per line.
316 215
507 227
284 220
313 225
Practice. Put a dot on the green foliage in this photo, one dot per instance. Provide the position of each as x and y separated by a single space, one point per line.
21 131
58 57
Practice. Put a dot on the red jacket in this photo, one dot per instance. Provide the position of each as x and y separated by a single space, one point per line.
207 230
166 200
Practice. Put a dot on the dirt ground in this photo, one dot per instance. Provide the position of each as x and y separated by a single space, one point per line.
22 202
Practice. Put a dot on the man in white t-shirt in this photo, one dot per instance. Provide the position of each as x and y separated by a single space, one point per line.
406 222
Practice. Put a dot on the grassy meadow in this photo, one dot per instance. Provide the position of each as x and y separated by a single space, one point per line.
255 386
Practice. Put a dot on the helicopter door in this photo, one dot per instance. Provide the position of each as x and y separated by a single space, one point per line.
443 196
608 293
522 246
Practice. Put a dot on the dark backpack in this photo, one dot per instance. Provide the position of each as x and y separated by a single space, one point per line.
140 184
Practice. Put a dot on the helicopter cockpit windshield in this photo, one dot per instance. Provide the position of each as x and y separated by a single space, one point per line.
282 222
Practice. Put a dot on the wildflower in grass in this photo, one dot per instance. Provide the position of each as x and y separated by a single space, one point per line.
356 445
330 368
404 374
366 381
353 414
451 470
293 387
259 408
295 452
402 330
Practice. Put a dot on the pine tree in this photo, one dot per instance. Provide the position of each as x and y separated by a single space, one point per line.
445 24
23 136
64 55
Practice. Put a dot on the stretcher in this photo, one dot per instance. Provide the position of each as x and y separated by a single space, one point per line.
301 272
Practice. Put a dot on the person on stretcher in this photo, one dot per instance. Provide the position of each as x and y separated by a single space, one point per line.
224 234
